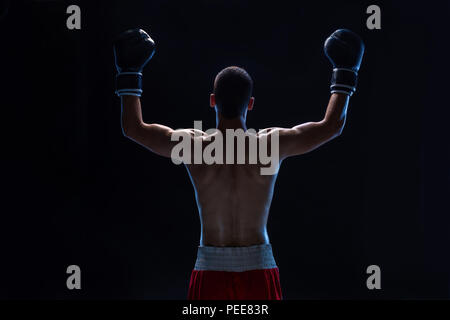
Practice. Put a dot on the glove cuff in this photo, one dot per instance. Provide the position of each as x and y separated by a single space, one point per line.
344 81
129 84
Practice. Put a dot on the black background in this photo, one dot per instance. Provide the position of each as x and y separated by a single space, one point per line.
75 191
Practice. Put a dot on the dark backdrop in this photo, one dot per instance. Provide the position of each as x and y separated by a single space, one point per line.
75 191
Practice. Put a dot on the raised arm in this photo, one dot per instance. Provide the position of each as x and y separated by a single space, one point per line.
155 137
344 49
311 135
132 51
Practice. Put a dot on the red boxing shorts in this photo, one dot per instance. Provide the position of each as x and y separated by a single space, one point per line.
235 273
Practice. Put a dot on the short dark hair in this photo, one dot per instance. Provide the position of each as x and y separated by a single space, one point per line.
233 89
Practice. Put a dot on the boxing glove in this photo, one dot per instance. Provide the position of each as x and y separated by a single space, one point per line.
133 49
345 50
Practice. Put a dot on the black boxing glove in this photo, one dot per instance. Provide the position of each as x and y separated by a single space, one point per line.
133 49
345 50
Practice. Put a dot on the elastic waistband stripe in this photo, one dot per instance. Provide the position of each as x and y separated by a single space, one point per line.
235 259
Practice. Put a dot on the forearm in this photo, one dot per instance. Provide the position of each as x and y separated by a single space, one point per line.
336 112
131 114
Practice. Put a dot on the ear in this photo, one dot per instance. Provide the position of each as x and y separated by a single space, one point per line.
251 103
212 100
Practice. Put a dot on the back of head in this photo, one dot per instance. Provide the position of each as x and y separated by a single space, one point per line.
233 89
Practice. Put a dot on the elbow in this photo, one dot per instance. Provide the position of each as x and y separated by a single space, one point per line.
338 131
129 132
335 128
126 131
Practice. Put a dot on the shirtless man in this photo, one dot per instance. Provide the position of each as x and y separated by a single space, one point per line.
234 259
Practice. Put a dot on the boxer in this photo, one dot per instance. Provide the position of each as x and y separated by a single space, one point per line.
234 258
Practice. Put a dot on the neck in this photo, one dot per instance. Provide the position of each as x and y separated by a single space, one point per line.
232 123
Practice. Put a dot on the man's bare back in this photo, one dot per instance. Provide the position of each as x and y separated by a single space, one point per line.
233 202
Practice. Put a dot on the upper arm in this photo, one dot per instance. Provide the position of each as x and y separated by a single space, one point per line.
305 137
157 137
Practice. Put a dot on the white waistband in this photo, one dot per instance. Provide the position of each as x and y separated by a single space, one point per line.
235 259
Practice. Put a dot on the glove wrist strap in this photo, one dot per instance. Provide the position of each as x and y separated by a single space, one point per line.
129 83
344 81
